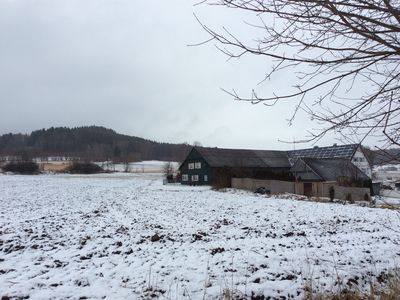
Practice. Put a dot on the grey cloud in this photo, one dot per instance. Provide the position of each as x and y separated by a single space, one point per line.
126 65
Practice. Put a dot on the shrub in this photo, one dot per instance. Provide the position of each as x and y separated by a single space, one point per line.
349 198
84 168
23 167
331 193
367 197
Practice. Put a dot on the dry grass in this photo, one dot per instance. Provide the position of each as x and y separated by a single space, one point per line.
54 166
389 206
229 294
390 290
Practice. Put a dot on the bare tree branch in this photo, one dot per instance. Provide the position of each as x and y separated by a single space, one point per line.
336 47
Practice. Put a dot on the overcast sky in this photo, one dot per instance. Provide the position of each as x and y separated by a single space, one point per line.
126 65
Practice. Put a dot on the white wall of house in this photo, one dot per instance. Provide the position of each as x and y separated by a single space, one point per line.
361 162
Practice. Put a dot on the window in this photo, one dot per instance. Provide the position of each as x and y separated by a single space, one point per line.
358 159
191 166
198 165
185 177
195 177
205 177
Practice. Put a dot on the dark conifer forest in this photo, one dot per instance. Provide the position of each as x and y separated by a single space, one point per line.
92 143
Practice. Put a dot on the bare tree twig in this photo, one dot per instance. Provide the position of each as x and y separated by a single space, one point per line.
336 47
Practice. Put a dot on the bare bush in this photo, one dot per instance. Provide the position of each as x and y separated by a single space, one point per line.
22 167
84 168
168 170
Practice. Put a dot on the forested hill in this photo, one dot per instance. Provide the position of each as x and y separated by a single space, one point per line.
92 142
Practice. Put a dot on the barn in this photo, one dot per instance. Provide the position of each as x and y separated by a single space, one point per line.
345 164
351 153
217 166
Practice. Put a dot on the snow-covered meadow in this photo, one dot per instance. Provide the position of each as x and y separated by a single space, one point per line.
127 236
147 166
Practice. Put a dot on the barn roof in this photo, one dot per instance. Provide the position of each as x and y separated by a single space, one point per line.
335 151
329 169
217 157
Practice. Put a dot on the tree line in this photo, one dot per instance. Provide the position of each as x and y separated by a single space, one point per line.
91 143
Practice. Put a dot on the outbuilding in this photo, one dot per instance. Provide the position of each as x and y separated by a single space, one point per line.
351 153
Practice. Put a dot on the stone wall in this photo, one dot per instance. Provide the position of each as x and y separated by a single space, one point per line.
275 186
319 189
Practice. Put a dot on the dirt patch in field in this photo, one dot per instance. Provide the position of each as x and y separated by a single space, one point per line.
54 166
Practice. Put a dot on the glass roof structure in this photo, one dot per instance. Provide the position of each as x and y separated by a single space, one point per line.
335 151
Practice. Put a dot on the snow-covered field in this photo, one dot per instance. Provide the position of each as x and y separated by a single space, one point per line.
147 166
387 173
126 236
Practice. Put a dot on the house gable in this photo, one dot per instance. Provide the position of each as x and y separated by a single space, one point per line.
360 160
195 170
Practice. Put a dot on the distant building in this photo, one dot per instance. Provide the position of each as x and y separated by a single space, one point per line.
10 158
49 159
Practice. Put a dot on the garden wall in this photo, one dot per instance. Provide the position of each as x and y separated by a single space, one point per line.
319 189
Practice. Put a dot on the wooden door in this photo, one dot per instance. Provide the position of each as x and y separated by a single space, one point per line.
307 189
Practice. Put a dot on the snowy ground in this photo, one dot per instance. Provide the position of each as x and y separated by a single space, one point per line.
389 197
147 166
387 173
126 236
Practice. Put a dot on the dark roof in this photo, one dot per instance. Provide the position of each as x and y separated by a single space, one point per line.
329 169
335 151
217 157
